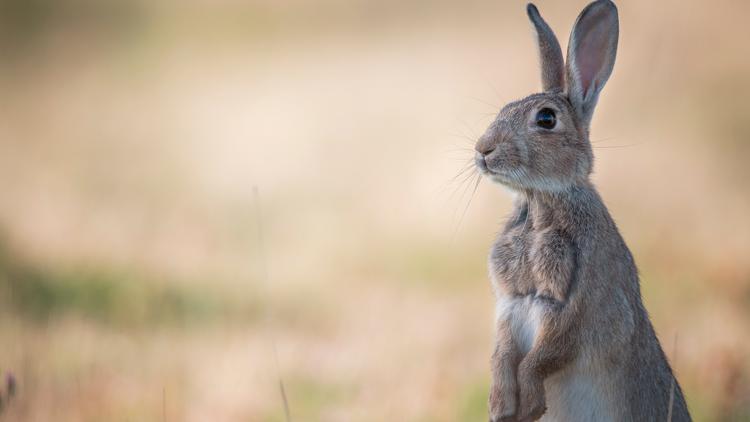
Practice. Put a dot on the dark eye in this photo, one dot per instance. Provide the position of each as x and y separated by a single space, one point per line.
546 118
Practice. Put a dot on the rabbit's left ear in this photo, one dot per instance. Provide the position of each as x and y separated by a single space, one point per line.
550 54
591 56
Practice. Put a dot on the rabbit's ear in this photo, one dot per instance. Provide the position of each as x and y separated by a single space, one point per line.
591 56
550 54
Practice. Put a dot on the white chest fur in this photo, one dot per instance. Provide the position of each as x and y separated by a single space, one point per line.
524 314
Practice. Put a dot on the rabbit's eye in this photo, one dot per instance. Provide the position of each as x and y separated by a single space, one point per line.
546 119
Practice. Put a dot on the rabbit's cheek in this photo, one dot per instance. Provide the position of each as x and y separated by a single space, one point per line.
521 152
556 163
507 156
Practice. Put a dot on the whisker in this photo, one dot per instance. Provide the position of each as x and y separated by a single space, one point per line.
460 149
617 146
463 171
471 198
462 186
458 180
470 129
460 135
468 204
463 152
470 140
468 163
603 140
494 89
466 167
496 107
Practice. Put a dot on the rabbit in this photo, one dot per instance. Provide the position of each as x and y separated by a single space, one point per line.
573 339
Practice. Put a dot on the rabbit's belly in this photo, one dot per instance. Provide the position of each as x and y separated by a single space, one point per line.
524 314
573 395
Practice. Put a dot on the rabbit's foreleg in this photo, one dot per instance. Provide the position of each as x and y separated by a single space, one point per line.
505 360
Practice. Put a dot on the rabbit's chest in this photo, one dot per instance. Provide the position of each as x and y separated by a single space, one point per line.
511 264
532 262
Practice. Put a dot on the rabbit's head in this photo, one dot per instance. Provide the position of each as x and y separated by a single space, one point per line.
541 142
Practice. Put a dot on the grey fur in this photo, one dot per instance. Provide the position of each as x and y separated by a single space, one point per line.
591 55
550 54
574 341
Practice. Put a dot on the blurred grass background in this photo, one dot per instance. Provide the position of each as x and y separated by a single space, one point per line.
132 134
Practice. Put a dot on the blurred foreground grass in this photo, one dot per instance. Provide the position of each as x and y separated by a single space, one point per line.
110 298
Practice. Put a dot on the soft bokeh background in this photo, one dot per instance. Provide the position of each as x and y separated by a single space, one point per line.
133 133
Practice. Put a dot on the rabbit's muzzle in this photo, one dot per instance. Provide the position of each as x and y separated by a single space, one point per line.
496 151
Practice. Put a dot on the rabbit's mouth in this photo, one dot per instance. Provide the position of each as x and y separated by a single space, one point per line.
505 178
481 163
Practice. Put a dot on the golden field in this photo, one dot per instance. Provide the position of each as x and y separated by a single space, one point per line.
142 279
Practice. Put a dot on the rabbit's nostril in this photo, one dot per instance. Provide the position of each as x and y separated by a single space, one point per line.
485 146
480 161
485 150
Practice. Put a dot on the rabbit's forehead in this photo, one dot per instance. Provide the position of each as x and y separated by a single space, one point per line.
519 109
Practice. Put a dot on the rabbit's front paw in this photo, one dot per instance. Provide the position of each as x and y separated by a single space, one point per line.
503 403
531 400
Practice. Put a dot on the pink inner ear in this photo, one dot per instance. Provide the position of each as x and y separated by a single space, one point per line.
591 52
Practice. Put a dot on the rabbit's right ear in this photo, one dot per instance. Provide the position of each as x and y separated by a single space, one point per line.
591 56
550 54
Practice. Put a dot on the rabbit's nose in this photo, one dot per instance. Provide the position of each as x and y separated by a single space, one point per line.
485 145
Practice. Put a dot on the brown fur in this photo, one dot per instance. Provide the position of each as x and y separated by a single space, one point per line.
574 342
